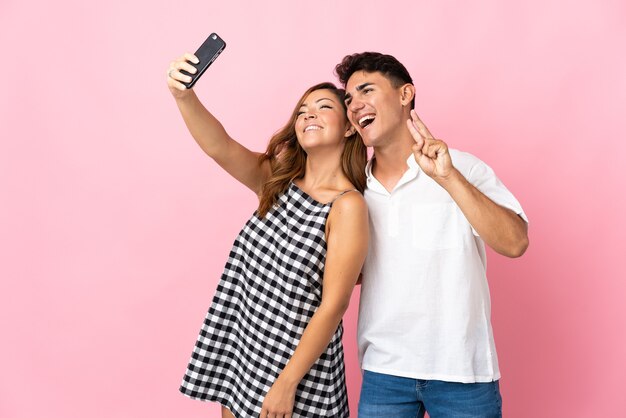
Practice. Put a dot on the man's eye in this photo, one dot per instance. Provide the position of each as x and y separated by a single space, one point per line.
367 90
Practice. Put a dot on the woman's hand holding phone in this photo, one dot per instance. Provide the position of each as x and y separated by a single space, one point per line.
176 79
184 72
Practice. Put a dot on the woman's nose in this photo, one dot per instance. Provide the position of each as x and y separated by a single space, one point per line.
309 115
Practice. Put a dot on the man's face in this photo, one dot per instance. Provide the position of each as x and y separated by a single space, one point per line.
375 107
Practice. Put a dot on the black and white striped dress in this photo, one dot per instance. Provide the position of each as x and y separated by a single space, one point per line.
270 289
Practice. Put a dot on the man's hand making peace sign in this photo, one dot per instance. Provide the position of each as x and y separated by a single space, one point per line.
430 154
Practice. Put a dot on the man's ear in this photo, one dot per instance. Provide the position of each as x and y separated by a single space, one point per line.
351 130
408 92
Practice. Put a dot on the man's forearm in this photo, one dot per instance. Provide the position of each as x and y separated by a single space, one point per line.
502 229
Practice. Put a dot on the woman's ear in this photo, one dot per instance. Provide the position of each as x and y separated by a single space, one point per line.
350 131
408 92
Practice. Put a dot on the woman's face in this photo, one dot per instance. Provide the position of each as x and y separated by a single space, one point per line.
321 121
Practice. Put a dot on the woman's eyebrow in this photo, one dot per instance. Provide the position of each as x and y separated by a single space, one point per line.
317 101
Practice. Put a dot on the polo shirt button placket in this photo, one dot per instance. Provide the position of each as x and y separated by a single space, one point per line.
393 220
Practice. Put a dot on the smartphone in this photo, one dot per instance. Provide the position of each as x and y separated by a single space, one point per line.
207 53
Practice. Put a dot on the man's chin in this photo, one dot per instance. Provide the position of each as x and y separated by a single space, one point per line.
368 141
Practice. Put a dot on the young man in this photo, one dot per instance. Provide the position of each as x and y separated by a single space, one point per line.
425 337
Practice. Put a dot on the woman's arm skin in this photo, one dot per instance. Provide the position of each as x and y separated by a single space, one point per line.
237 160
347 240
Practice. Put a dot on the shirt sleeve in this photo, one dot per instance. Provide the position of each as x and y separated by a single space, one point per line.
485 180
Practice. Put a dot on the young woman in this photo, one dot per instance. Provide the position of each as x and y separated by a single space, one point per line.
270 345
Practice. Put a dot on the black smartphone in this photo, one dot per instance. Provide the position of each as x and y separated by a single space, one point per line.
207 53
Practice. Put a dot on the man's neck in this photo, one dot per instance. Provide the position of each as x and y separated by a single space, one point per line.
390 160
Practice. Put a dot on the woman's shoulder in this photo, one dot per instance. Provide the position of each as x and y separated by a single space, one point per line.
348 215
349 201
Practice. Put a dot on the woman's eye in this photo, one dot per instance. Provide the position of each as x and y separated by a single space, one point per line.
325 106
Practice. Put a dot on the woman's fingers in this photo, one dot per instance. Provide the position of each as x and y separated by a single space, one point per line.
175 78
175 68
191 57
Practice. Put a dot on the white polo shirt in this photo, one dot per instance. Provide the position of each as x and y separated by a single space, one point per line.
425 309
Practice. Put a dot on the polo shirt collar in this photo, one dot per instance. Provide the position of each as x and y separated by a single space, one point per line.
412 163
409 175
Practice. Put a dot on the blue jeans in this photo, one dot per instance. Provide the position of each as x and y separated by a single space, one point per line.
384 395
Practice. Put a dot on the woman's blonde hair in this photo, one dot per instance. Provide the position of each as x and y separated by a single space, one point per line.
287 159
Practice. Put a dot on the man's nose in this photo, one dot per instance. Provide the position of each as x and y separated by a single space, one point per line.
355 105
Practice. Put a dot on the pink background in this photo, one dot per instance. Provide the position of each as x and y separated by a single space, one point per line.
114 226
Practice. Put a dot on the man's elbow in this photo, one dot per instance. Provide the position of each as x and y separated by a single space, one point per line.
518 239
518 247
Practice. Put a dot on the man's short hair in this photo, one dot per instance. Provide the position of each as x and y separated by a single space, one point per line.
372 62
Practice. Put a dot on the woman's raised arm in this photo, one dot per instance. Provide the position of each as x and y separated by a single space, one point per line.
237 160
